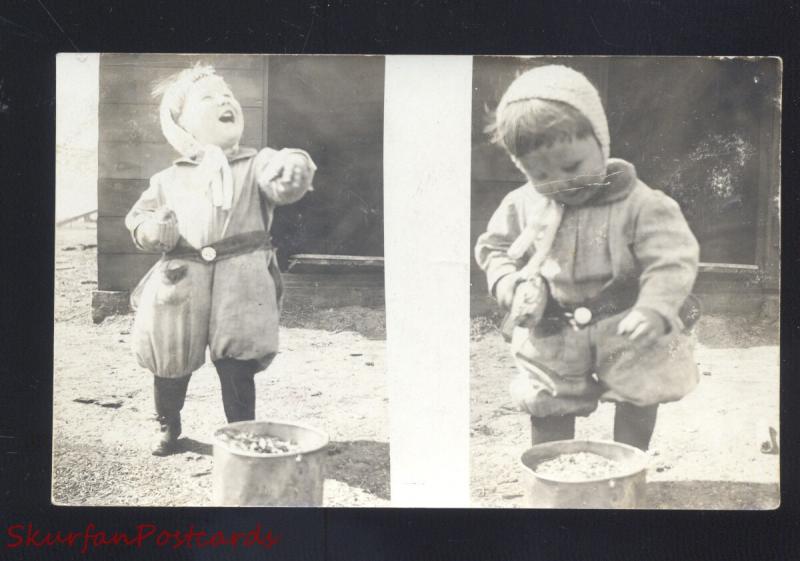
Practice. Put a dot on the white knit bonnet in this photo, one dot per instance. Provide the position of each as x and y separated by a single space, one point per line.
560 83
214 166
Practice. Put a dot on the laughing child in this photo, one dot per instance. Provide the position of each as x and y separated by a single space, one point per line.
217 284
594 267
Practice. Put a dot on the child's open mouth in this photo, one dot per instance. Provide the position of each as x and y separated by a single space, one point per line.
227 117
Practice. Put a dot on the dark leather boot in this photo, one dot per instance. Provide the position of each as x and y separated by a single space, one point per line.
548 429
167 439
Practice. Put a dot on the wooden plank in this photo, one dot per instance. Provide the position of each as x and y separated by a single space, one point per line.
122 271
123 160
180 60
114 237
359 279
326 297
333 263
728 268
115 197
318 258
134 84
333 290
140 123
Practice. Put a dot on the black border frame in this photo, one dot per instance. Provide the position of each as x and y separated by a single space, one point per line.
32 32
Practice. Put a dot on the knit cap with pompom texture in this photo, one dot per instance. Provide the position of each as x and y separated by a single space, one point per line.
560 83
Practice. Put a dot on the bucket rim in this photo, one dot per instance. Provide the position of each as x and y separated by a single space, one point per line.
640 458
325 438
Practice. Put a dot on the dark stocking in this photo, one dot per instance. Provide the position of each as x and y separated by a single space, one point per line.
634 425
547 429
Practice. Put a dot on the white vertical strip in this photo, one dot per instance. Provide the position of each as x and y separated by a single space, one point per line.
77 92
427 116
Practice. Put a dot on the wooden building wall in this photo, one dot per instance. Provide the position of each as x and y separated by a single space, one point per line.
704 131
331 106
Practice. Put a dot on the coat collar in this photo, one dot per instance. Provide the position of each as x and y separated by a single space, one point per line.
621 181
242 154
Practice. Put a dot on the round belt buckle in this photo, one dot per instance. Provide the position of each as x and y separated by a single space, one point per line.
208 254
582 315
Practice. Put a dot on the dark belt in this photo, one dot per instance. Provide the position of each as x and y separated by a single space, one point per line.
556 316
238 244
579 316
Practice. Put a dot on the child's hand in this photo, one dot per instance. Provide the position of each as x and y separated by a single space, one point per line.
296 172
642 326
289 172
530 300
160 233
504 291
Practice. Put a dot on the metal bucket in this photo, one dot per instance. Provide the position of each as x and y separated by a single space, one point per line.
243 478
625 490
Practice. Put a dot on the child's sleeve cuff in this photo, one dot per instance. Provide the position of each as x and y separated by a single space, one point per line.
666 312
312 166
497 273
133 224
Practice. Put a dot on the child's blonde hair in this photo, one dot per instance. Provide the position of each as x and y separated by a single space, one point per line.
173 89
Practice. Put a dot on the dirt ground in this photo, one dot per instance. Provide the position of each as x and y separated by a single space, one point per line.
706 448
330 374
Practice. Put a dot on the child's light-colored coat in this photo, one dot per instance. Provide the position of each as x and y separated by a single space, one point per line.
231 306
631 241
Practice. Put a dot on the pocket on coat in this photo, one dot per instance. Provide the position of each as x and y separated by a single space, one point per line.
170 331
549 345
662 372
175 286
564 352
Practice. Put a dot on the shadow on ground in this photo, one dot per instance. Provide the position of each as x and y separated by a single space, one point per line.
195 446
722 495
360 463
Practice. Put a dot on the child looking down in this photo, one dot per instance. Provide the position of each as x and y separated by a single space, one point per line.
592 265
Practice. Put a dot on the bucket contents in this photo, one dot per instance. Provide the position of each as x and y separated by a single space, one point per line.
580 466
259 444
